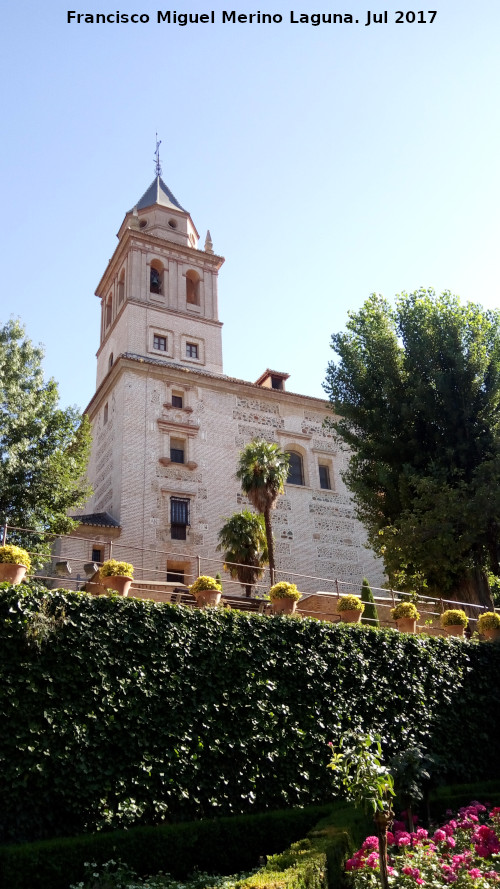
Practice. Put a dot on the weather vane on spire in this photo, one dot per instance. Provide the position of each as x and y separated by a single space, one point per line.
157 156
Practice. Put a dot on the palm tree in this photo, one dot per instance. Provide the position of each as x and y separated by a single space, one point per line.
243 540
263 471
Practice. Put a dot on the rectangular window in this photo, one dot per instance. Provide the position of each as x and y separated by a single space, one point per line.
324 477
105 414
175 576
176 400
179 518
191 350
97 554
176 450
160 342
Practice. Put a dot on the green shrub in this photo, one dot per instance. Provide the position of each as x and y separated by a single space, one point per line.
225 845
370 614
133 712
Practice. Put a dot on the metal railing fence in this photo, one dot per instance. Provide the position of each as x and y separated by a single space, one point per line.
77 571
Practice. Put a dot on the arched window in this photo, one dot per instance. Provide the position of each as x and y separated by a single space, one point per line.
109 310
156 277
121 287
295 470
193 288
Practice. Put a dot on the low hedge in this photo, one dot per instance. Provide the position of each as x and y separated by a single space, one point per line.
454 796
225 845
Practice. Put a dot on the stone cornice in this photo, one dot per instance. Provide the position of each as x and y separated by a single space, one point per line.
172 426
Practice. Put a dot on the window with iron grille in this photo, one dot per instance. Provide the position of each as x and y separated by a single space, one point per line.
179 518
176 450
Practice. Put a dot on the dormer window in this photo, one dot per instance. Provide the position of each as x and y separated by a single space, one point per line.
276 382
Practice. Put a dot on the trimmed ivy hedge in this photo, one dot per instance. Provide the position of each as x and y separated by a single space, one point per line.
124 712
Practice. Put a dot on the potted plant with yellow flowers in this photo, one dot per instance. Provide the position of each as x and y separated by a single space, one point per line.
14 563
284 597
206 590
488 624
406 615
454 621
350 609
117 576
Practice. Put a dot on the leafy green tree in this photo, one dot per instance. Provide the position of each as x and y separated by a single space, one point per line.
418 390
243 540
44 450
262 472
370 614
368 783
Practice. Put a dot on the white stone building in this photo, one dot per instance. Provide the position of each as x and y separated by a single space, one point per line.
168 424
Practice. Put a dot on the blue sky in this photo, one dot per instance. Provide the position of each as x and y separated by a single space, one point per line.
328 162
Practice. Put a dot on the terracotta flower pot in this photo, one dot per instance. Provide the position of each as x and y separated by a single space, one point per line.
283 606
12 573
491 634
351 616
209 598
454 630
407 624
118 582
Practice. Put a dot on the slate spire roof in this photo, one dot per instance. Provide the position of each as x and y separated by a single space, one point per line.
158 193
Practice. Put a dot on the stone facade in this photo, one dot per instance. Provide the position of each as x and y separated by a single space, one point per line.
169 425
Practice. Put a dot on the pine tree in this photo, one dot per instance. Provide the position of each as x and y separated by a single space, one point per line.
370 614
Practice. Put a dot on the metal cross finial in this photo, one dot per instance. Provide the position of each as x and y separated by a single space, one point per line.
157 156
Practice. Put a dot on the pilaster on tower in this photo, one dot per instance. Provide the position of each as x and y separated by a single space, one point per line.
159 292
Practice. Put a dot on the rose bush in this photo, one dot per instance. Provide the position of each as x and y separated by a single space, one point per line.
464 852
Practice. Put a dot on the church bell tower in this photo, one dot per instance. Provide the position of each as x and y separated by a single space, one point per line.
159 292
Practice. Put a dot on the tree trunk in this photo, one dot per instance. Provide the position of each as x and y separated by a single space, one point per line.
382 820
270 542
473 589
